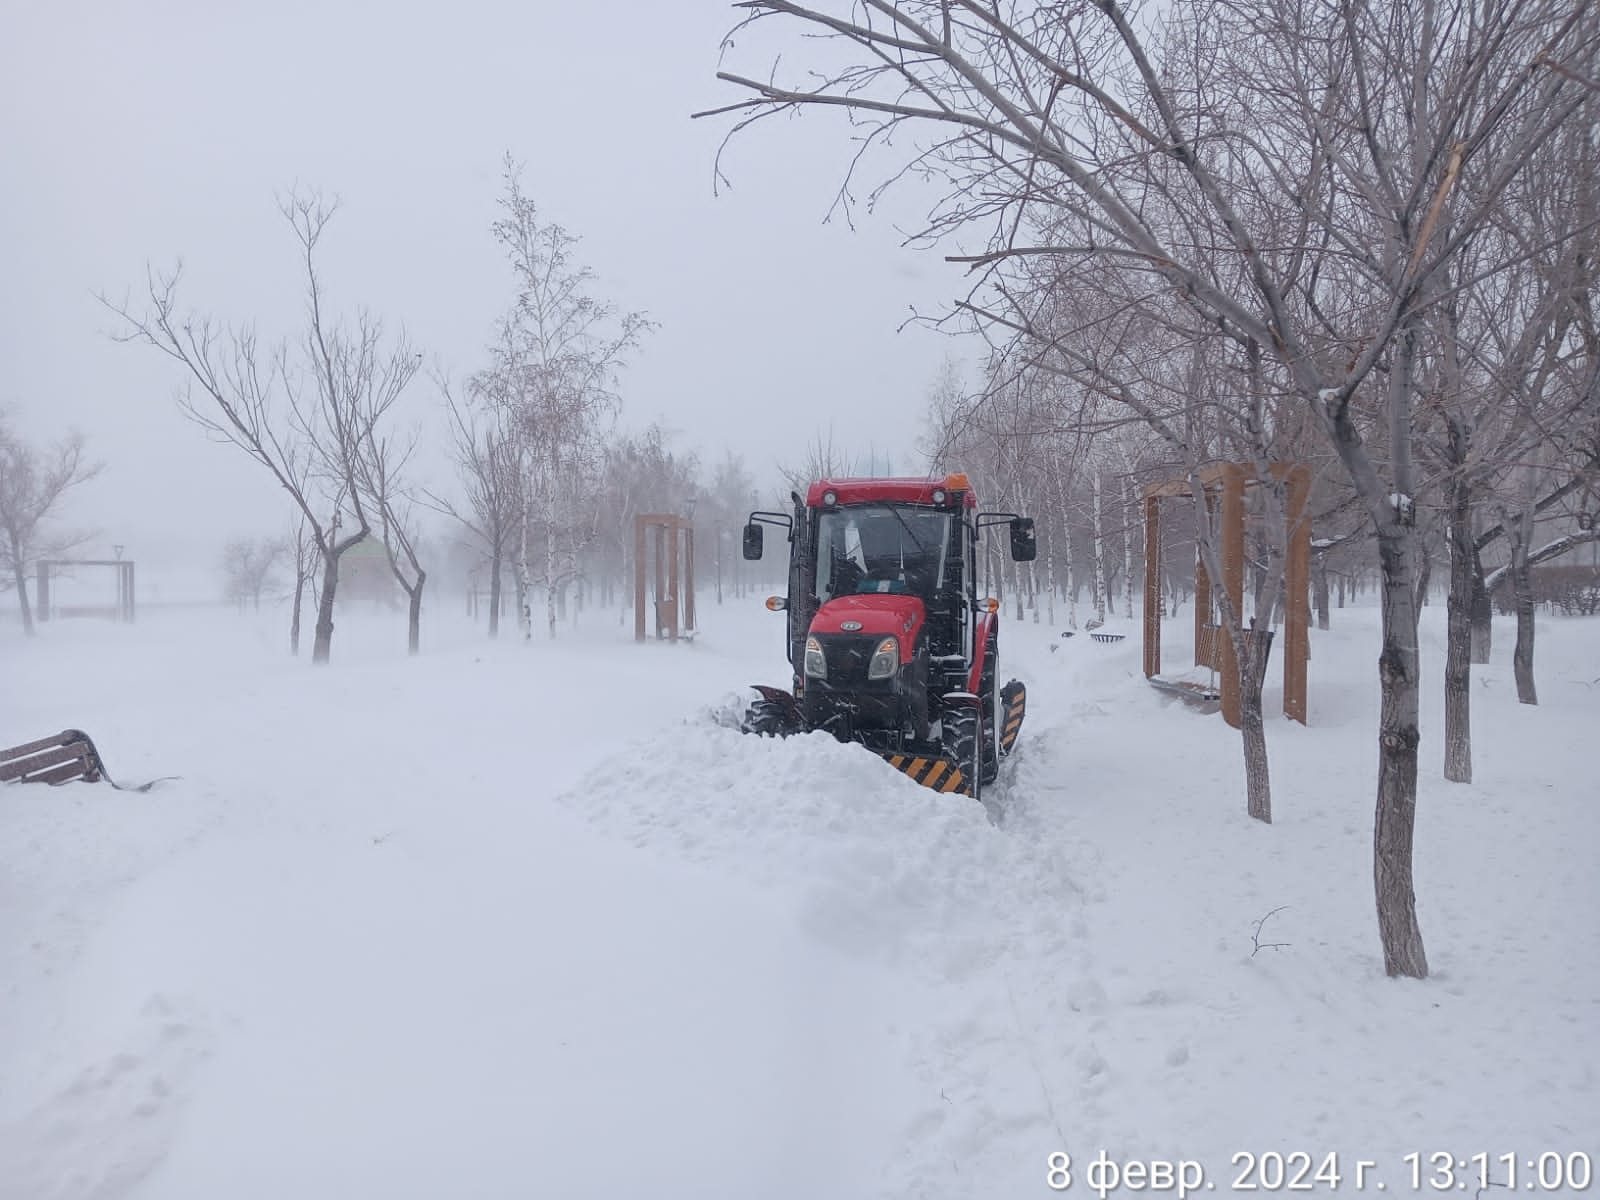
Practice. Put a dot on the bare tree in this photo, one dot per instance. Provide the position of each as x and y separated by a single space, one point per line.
248 566
33 481
489 466
306 560
304 416
381 462
555 372
1278 170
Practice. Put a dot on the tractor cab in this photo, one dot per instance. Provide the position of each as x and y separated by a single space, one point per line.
886 635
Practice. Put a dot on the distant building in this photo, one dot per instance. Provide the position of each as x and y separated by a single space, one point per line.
365 578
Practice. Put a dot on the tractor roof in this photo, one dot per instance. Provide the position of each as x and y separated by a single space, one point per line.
902 491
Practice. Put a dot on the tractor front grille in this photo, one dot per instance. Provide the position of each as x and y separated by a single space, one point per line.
847 656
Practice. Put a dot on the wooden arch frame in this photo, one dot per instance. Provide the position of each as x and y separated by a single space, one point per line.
1212 648
672 538
125 607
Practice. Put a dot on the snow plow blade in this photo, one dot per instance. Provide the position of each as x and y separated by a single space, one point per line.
1013 703
940 774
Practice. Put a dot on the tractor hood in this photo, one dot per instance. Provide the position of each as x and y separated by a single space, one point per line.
877 614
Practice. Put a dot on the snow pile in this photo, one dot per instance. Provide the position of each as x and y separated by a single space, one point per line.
885 868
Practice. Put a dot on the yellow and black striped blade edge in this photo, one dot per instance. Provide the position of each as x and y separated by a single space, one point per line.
940 774
1013 720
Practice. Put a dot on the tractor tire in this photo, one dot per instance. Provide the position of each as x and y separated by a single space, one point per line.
960 734
766 719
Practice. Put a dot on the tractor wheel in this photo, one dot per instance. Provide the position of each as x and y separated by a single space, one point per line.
765 719
960 735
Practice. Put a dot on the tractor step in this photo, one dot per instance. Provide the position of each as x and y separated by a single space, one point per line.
930 770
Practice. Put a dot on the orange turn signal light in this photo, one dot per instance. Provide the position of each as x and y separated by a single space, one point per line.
957 482
777 603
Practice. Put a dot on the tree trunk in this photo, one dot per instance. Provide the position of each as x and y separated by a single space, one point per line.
1482 613
1257 644
1319 588
1098 550
322 641
294 617
1067 576
524 605
1050 573
1522 589
551 600
1458 640
1394 825
22 590
414 615
1130 521
494 593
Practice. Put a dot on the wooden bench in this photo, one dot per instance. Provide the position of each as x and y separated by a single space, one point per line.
1207 699
55 760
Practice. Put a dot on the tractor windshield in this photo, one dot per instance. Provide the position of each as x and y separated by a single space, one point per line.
881 548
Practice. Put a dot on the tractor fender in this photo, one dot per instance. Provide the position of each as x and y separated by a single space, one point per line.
987 625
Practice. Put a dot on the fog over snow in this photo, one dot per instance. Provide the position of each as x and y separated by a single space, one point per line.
144 134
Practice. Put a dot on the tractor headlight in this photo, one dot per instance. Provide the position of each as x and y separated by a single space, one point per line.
815 666
885 659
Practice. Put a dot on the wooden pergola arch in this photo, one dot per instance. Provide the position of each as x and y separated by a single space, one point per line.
666 541
1212 647
47 567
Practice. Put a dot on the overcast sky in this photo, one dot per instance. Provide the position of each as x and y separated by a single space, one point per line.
137 133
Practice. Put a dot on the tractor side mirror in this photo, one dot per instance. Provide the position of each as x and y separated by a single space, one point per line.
752 540
1024 546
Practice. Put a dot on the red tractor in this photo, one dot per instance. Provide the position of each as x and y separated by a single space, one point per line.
890 644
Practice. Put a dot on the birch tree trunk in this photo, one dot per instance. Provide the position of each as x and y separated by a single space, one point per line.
1067 579
1097 549
524 583
1130 522
576 580
1050 573
550 609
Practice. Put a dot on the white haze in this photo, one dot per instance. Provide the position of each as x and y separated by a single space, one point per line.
142 134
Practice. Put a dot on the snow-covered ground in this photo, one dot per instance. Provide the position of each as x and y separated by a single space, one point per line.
536 921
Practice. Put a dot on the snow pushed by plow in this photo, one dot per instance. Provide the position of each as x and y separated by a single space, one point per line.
883 870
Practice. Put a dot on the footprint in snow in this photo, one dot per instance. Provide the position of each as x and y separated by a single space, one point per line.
110 1126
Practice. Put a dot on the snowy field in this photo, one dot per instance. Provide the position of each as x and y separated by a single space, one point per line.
513 921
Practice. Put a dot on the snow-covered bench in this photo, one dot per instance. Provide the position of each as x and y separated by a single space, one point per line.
68 755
